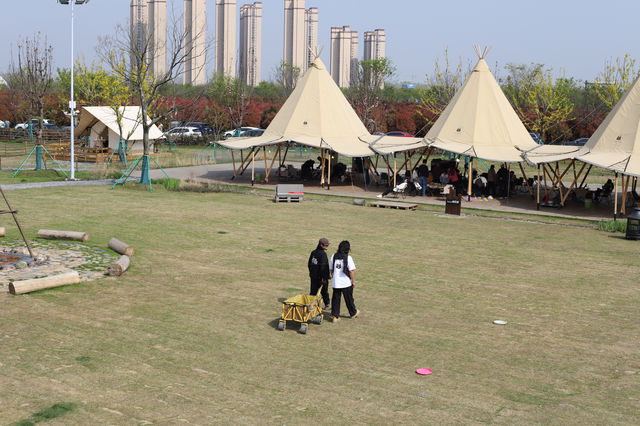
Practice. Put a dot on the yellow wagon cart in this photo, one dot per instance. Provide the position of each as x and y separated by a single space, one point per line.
302 308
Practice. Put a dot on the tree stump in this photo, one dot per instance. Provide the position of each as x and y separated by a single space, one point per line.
27 286
119 267
51 234
120 247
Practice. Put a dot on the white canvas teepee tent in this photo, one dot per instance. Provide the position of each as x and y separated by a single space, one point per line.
615 145
480 122
316 114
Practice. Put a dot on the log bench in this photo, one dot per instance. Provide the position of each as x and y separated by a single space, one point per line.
289 193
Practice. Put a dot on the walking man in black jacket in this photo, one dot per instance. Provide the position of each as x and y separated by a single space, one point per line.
319 271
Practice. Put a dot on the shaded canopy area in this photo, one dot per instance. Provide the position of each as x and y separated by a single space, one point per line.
615 145
318 115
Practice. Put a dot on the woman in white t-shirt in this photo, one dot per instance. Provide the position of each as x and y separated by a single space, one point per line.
342 266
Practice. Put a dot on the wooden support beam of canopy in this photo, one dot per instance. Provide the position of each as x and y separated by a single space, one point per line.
526 181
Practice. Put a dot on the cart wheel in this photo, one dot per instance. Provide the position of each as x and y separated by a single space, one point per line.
318 319
303 328
281 325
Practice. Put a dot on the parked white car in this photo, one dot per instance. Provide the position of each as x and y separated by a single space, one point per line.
34 123
183 132
237 132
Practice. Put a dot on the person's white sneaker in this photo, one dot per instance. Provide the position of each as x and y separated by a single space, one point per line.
379 195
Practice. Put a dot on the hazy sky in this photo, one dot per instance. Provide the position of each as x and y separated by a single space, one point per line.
575 35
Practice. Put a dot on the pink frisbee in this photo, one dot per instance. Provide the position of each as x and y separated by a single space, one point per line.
424 371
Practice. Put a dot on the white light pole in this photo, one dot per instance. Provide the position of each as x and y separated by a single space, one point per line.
72 102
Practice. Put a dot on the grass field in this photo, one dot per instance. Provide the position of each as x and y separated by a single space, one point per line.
188 334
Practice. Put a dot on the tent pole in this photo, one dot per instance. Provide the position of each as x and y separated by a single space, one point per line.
524 175
395 170
538 190
322 167
556 173
373 167
470 178
329 173
264 155
575 180
544 173
625 186
386 160
233 161
585 176
508 180
253 166
615 198
268 172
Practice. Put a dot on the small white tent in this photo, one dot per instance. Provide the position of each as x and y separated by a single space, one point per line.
100 126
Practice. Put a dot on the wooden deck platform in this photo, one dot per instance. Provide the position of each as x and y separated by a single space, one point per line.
393 205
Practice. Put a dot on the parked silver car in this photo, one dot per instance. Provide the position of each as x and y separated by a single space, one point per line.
182 132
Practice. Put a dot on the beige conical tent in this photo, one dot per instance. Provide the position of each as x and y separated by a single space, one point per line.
615 145
480 122
316 114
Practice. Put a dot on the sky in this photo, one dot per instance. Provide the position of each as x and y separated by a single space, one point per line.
573 37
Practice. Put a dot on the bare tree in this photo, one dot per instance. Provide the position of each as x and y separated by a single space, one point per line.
286 76
365 92
33 77
233 95
441 86
129 54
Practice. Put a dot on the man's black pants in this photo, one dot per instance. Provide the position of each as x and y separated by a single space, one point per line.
316 285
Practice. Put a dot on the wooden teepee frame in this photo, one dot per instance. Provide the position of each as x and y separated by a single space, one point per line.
15 218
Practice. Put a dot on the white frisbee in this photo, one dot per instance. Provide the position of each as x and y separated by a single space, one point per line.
500 322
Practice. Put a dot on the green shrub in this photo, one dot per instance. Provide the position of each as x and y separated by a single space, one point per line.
170 184
612 225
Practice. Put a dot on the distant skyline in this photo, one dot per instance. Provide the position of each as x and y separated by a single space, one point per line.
576 36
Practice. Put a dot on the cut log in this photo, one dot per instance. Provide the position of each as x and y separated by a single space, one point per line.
27 286
120 247
51 234
3 231
116 269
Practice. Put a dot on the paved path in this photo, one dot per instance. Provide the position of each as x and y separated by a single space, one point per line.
58 183
521 203
223 173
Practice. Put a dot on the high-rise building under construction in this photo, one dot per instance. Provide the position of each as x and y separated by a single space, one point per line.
250 43
300 34
374 44
149 33
225 42
344 55
195 28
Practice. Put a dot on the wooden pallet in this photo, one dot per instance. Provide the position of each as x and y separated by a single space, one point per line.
287 199
393 205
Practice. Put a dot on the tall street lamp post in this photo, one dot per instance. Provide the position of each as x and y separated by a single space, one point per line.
72 102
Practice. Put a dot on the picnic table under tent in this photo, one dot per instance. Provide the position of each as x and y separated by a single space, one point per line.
317 115
615 146
479 122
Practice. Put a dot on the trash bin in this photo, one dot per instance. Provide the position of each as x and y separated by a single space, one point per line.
452 203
